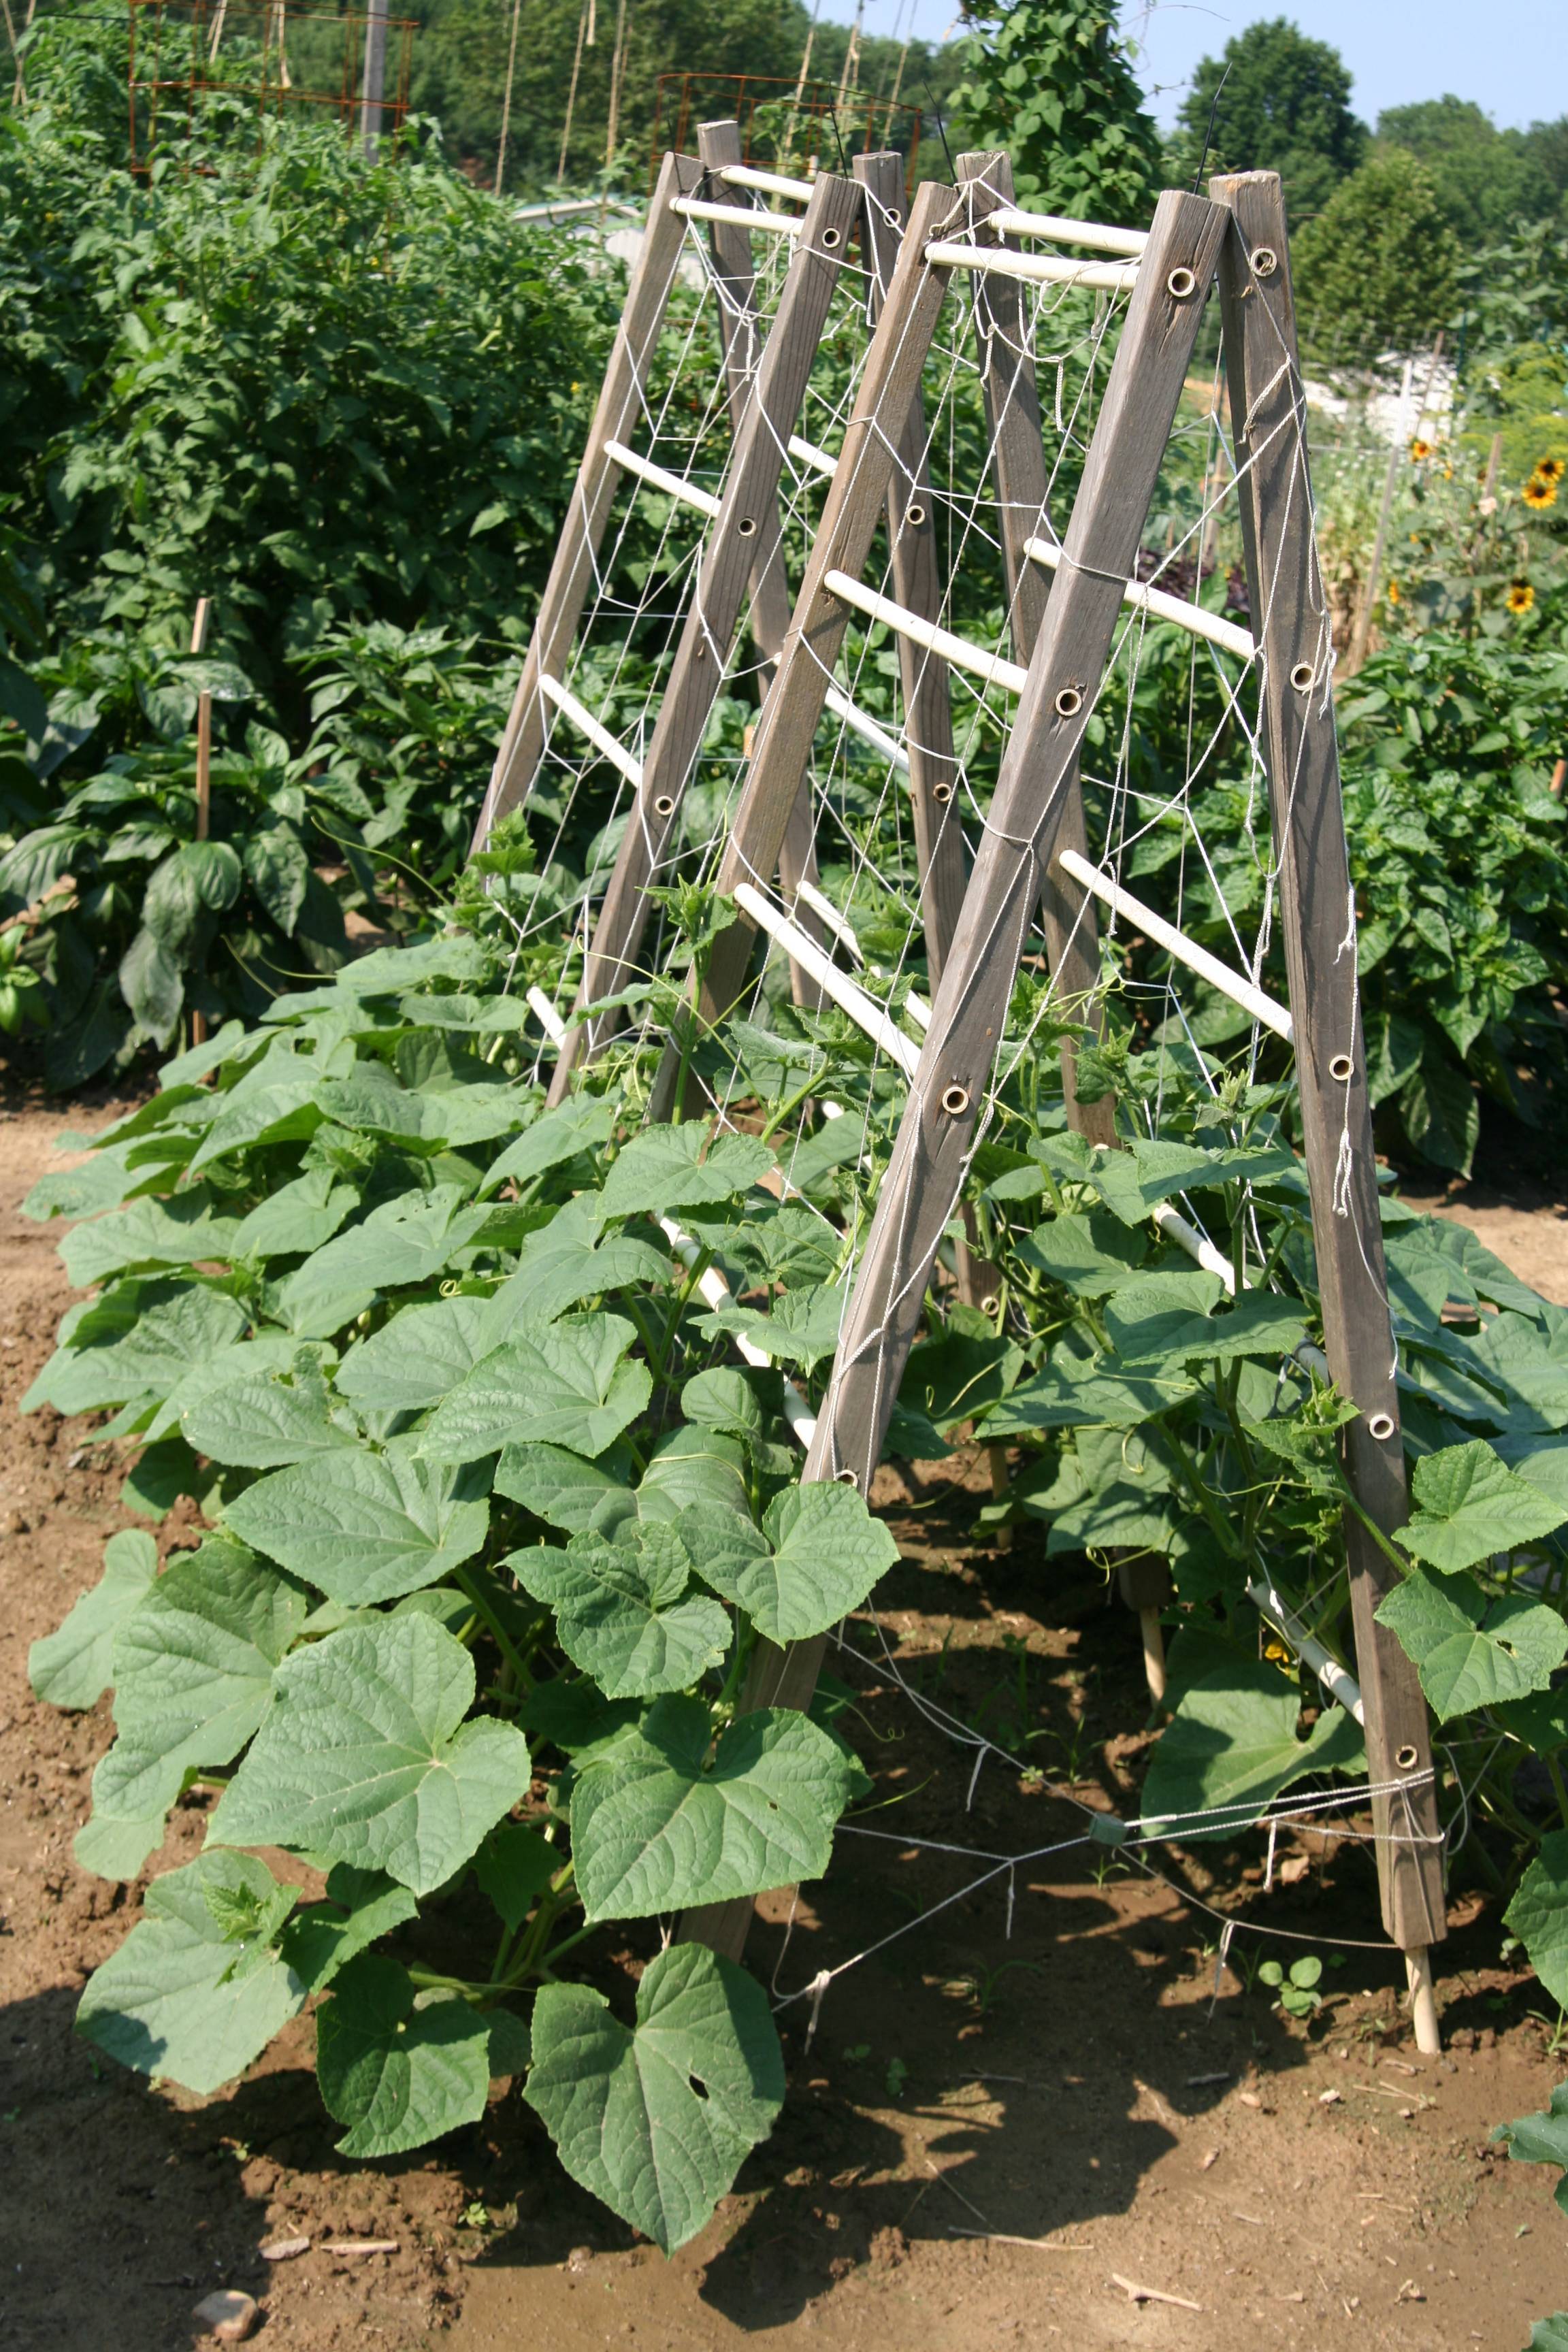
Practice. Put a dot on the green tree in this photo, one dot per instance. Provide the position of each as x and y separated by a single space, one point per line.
1487 181
1285 108
1050 81
1376 271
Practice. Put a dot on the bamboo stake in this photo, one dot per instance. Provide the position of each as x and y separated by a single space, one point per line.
572 94
375 81
203 765
617 72
506 101
1380 537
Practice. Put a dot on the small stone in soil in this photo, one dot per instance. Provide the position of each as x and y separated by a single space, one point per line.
579 2258
283 2249
229 2314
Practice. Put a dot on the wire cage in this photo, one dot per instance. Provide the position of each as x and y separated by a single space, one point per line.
262 54
795 125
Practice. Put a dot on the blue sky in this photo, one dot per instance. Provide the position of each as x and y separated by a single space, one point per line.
1509 55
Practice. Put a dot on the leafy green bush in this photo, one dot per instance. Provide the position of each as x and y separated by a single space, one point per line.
1049 81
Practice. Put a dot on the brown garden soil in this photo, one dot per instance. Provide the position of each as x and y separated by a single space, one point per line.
988 2135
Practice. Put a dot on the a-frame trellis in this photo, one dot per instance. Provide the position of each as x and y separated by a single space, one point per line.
1064 604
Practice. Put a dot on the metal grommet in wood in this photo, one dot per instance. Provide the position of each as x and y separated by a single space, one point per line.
830 238
746 526
664 805
914 517
1406 1758
1342 1069
942 793
955 1099
990 1303
1263 261
1180 284
845 1478
1381 1427
1070 702
1303 677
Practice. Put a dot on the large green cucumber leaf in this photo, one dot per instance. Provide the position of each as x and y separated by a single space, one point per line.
398 2067
365 1527
404 1242
560 1135
1469 1505
73 1666
359 1906
514 1866
418 1355
570 1259
801 1327
670 1168
299 1217
141 1339
367 1757
1541 2139
1133 1182
693 1466
1232 1747
1090 1255
262 1420
655 1826
623 1611
1470 1652
815 1557
568 1384
193 1667
178 1231
1538 1915
656 2120
564 1489
171 2000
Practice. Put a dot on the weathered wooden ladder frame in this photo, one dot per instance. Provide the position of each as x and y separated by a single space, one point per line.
1037 815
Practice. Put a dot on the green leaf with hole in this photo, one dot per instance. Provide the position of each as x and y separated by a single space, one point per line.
624 1609
566 1385
1469 1505
367 1757
1470 1652
816 1556
73 1666
657 1825
398 2066
1233 1745
657 2119
170 2002
364 1527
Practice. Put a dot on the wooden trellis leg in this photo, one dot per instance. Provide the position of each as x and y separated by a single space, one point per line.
1317 916
948 1092
571 574
717 145
749 496
854 499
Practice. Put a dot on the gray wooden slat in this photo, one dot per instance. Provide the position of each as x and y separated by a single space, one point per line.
572 572
1001 318
1317 918
750 494
917 585
854 503
946 1097
717 145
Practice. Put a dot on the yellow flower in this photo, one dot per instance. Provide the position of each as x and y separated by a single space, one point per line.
1520 596
1393 591
1419 449
1549 470
1540 492
1276 1653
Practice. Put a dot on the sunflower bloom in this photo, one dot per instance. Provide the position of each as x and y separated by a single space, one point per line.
1393 591
1539 492
1549 470
1419 449
1520 596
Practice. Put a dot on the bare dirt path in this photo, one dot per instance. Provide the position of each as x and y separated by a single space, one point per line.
1310 2187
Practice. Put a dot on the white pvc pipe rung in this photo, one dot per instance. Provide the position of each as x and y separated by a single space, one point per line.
958 651
1014 220
802 950
1241 991
806 453
824 908
659 478
1047 268
1336 1681
1201 1250
727 215
586 723
549 1021
858 723
716 1294
1160 606
767 183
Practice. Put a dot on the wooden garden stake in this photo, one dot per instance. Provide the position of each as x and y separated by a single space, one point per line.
203 765
750 491
948 1092
1317 913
